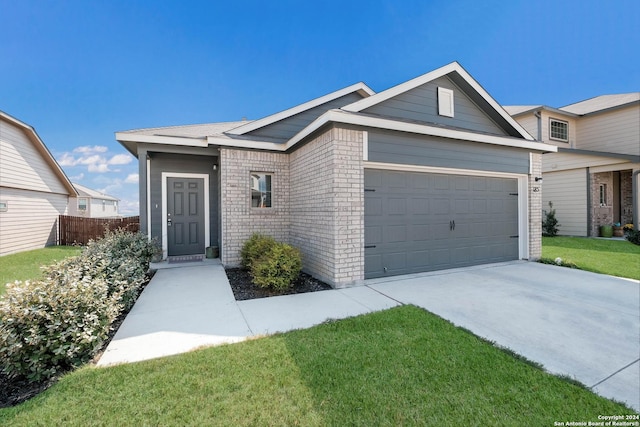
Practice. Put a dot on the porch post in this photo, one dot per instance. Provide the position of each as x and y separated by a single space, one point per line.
142 190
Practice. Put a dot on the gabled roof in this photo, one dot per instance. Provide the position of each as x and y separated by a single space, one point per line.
603 102
361 88
463 80
31 133
517 110
94 194
589 106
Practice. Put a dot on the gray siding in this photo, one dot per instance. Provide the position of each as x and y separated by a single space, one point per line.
179 163
287 128
421 104
390 147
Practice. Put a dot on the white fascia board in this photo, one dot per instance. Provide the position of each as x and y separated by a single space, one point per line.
157 139
425 78
380 123
257 124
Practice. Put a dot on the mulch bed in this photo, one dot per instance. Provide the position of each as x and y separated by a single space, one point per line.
244 289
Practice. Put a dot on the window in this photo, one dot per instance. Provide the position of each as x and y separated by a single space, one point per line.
261 190
82 204
445 102
558 130
4 206
104 205
603 194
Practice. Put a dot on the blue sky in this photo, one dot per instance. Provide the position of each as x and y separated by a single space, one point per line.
78 71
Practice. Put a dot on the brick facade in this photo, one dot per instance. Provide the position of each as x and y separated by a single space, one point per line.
626 197
535 208
318 204
327 206
238 219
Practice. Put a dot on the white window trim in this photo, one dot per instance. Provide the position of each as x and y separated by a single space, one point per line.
269 208
445 102
86 207
165 232
559 121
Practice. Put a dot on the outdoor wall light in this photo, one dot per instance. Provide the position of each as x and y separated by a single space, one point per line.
538 179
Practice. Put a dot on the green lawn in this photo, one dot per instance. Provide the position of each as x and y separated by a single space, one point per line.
26 265
403 366
614 257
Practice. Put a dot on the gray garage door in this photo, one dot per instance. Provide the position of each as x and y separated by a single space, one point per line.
418 222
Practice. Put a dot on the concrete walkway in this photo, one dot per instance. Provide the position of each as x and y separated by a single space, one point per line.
575 323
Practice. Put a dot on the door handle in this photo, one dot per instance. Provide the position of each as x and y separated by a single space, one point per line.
169 222
454 224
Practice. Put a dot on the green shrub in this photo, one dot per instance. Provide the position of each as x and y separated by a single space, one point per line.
550 223
58 323
633 236
257 245
278 267
48 327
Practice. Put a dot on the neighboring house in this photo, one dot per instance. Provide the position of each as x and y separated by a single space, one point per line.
34 190
93 204
427 175
592 179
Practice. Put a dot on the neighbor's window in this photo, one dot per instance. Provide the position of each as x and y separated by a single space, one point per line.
261 190
558 130
82 204
603 194
104 205
4 206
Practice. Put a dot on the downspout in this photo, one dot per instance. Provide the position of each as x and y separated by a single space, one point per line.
635 188
539 117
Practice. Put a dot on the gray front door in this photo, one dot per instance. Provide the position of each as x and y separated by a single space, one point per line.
185 216
418 222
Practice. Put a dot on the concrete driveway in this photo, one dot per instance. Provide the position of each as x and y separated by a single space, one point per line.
575 323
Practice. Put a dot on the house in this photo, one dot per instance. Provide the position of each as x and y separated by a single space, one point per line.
93 204
429 174
592 179
34 190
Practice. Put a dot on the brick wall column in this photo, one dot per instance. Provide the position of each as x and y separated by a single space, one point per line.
535 208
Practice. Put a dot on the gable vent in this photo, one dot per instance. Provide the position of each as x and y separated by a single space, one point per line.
445 102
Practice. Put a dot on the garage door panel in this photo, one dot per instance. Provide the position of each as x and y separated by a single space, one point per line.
408 218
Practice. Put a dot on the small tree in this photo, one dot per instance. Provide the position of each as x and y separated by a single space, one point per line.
550 223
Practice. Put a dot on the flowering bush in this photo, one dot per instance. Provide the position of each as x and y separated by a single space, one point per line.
52 325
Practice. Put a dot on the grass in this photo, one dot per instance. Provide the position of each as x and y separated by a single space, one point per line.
613 257
403 366
26 265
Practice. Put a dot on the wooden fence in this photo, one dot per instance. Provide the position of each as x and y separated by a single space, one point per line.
79 230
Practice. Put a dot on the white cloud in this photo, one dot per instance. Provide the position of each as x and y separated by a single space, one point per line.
132 178
87 149
98 167
77 178
67 160
120 159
